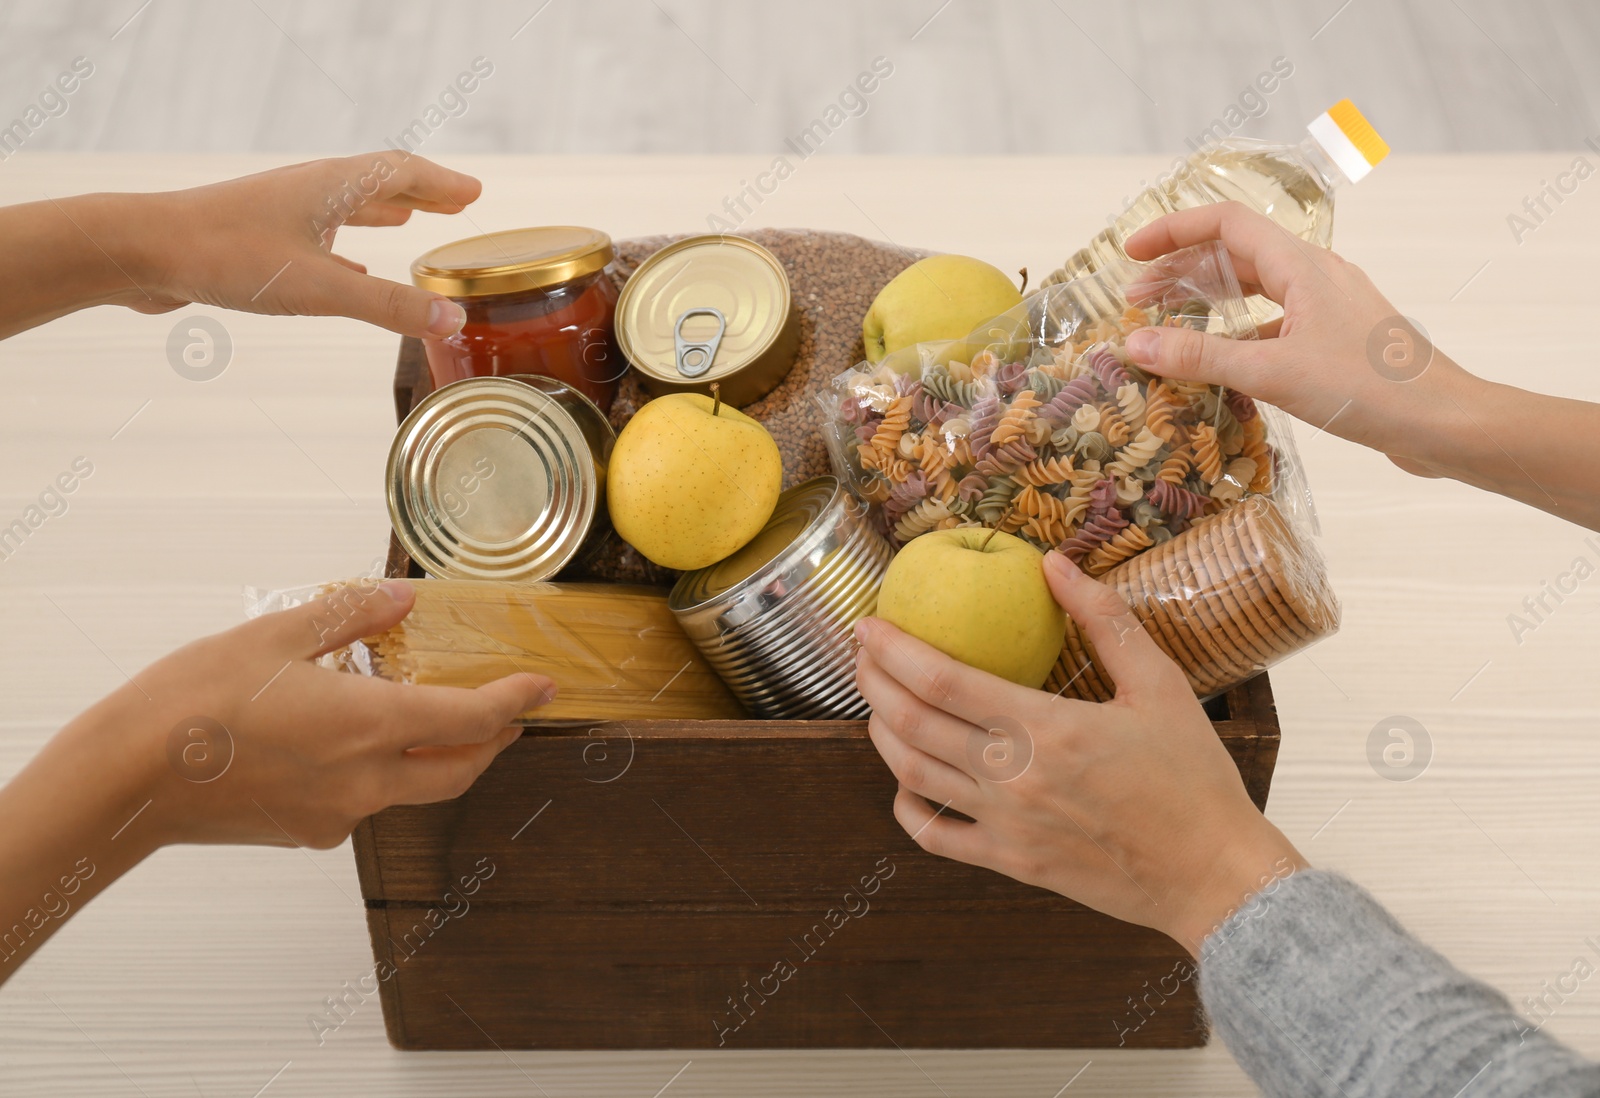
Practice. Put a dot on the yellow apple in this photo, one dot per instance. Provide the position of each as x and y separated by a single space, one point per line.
940 297
687 487
981 599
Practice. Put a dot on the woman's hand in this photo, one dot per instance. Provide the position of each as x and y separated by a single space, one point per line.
1132 807
258 744
239 738
261 244
1343 358
1345 361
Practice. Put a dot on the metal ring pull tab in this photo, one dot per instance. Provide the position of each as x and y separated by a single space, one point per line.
694 357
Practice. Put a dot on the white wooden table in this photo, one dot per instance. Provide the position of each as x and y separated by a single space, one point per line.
196 975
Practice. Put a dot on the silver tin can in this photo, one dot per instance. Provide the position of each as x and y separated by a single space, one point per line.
776 619
499 478
710 308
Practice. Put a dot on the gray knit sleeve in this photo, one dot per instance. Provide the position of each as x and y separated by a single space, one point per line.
1317 990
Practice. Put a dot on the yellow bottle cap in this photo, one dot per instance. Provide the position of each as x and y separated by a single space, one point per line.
1359 131
1349 139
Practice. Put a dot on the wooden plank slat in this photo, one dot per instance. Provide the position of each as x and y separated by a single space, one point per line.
500 975
667 815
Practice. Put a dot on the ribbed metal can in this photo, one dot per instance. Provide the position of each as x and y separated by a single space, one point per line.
776 619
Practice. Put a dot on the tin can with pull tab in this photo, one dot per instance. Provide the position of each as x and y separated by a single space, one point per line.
709 308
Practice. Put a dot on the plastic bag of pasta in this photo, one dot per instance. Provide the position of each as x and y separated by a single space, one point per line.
1038 424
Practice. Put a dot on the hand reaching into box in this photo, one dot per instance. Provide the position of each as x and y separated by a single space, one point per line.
261 244
240 737
1132 807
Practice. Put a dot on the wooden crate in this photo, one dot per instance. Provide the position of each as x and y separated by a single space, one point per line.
740 884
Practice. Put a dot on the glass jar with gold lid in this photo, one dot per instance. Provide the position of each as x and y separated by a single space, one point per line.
538 301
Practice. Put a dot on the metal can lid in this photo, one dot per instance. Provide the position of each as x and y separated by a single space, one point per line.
512 261
725 295
497 477
786 538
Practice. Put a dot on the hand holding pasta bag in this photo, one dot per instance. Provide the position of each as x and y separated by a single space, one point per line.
1346 361
1042 425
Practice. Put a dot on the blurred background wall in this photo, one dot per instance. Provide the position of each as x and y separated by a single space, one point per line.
742 76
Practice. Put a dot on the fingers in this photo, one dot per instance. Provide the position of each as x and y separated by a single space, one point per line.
382 189
939 834
405 179
430 774
922 726
1189 355
433 716
1262 251
425 715
920 772
1127 652
339 291
346 614
944 683
451 735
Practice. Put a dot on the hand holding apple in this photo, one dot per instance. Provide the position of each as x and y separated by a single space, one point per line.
691 480
1132 807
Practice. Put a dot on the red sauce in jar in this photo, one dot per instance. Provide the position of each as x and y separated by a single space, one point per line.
564 332
538 301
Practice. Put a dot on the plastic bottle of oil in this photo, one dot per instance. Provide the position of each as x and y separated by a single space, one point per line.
1292 184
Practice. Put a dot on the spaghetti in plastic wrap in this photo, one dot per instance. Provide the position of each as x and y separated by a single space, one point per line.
614 651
